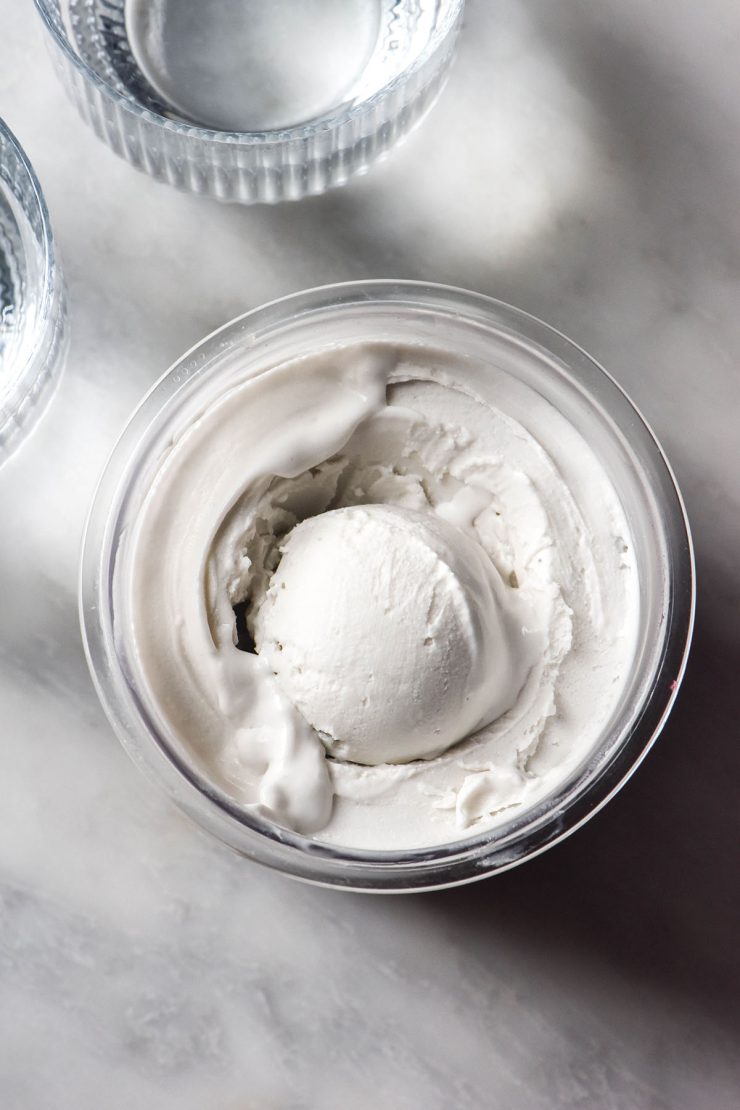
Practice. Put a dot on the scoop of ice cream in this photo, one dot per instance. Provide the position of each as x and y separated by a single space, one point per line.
392 632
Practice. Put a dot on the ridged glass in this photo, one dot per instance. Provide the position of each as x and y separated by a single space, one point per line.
95 63
32 306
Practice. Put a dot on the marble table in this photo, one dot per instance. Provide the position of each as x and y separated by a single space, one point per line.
583 163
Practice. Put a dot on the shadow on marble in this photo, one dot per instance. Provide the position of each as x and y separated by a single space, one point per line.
669 217
648 887
43 647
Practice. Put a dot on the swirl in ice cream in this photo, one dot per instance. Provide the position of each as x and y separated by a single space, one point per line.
431 573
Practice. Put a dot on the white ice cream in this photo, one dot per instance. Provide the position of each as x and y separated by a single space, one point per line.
392 633
434 568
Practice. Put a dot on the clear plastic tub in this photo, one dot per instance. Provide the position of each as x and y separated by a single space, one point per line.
32 313
477 328
248 101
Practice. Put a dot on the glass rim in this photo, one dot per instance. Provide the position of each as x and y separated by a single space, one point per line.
277 136
560 812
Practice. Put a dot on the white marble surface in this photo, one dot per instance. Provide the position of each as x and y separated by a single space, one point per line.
584 164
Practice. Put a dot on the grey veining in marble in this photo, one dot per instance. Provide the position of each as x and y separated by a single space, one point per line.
584 163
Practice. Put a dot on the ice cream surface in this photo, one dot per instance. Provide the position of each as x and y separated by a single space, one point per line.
381 596
392 633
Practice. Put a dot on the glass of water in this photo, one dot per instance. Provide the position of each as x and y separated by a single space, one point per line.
249 100
32 315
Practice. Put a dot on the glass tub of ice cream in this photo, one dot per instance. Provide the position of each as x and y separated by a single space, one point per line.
389 585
